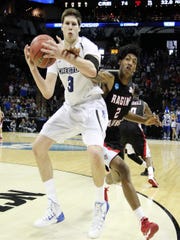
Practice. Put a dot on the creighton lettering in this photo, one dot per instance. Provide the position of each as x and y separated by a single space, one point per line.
120 100
68 70
16 198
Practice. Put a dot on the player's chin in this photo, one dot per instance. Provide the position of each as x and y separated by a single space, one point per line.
128 73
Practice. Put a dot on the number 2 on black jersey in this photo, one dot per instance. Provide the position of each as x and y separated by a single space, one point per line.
116 115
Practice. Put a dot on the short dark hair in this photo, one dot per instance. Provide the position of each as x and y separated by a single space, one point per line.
129 48
72 12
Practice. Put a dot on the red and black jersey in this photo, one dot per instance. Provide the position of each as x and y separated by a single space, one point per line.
137 107
118 102
131 132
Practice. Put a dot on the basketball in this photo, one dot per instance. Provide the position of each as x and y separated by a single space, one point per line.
35 51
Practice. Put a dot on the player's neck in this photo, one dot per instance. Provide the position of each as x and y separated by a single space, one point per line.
68 44
124 79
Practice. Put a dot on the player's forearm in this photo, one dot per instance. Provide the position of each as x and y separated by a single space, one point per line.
86 67
105 78
136 118
41 83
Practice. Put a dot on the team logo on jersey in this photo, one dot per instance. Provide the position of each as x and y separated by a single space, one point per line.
116 86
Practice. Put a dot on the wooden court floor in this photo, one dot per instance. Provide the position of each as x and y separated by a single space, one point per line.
22 198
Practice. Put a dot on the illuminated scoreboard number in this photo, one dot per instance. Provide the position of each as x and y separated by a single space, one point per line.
149 3
129 3
124 3
136 3
143 3
167 2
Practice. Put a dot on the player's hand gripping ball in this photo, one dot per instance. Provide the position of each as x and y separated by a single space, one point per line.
35 51
74 51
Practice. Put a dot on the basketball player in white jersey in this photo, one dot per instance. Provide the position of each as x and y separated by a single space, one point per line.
83 112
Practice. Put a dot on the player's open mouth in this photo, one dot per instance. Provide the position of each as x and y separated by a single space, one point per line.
128 69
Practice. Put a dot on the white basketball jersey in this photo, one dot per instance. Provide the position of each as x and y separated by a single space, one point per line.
78 88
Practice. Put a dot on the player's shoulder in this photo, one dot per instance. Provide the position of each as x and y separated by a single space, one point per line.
143 102
84 39
86 42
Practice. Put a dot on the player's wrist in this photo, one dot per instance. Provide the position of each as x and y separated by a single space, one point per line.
32 68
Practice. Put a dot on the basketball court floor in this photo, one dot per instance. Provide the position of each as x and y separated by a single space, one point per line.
23 200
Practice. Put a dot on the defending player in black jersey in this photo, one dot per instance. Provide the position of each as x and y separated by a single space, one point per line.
132 136
118 97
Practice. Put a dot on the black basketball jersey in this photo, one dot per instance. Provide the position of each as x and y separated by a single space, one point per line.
131 132
118 102
137 107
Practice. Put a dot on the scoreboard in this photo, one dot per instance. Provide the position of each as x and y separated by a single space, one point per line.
148 3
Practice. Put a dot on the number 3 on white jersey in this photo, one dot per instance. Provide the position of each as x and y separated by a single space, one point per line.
70 84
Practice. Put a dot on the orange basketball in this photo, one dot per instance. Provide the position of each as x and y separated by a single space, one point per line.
35 51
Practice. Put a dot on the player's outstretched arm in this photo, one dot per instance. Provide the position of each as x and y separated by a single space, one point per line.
106 79
152 120
45 85
147 120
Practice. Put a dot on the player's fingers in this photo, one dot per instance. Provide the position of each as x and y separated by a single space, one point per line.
48 45
65 53
26 49
58 38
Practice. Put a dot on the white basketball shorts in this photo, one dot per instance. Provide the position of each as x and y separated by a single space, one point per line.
89 119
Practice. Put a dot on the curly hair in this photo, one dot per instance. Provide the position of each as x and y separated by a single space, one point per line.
129 48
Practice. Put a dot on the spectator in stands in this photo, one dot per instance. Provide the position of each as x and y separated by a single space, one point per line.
1 123
166 124
22 125
173 126
178 122
12 126
31 126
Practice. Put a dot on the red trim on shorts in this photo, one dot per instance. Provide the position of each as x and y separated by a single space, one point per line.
112 149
